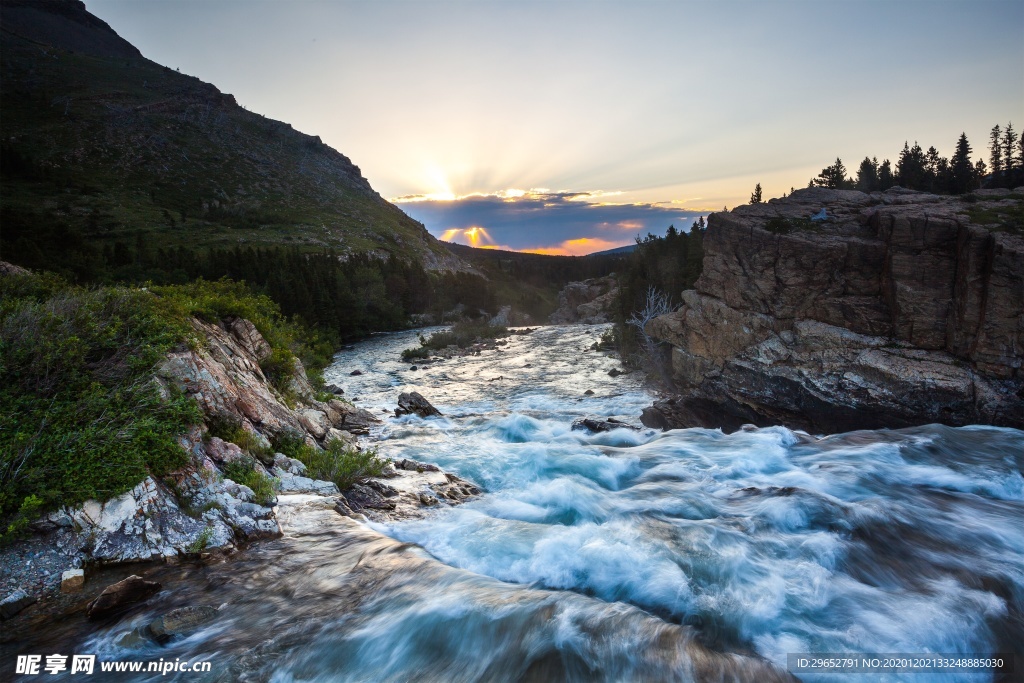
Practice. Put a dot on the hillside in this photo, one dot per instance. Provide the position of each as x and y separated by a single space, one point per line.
531 282
102 146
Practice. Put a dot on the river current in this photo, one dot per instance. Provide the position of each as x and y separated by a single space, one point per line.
624 555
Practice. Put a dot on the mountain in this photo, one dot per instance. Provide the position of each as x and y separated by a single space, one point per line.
102 146
617 251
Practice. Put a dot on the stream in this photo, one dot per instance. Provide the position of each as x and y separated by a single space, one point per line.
624 555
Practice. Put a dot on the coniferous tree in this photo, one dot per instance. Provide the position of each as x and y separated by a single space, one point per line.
1009 147
911 171
834 177
961 170
885 179
867 175
755 198
995 153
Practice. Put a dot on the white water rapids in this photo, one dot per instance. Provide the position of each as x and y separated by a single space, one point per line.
626 555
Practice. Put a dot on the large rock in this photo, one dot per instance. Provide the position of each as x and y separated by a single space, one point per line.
896 310
587 302
16 601
413 403
121 595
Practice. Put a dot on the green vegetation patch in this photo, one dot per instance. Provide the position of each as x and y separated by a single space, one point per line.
344 466
1002 218
243 471
80 415
462 334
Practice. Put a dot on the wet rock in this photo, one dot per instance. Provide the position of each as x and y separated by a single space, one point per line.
334 389
349 418
14 603
414 368
122 594
427 499
290 483
412 402
596 424
72 581
588 392
615 372
381 488
413 466
355 373
359 497
180 621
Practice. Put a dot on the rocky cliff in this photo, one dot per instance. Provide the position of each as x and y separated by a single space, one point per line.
834 310
588 302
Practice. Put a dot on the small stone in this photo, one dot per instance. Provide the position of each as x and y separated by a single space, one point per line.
615 372
355 373
414 368
72 581
588 392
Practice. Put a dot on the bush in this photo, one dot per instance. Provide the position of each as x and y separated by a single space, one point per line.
335 463
243 471
80 416
461 334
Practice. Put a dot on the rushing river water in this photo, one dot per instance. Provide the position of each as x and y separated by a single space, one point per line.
626 555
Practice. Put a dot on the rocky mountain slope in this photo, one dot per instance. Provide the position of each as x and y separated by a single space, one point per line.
835 310
588 302
200 509
102 144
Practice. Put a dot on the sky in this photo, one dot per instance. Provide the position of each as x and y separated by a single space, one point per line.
571 127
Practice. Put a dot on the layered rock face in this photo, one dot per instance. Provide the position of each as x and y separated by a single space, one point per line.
895 309
588 302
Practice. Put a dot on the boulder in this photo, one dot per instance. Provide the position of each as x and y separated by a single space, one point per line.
121 595
180 621
16 601
413 403
347 417
596 424
588 302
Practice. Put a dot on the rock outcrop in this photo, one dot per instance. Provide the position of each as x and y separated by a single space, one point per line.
899 308
588 302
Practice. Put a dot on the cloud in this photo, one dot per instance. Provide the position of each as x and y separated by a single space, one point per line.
541 220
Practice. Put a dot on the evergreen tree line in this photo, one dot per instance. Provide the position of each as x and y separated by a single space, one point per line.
669 264
928 171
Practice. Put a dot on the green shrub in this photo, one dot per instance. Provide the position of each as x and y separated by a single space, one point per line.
243 471
335 463
461 334
80 416
229 428
18 526
201 542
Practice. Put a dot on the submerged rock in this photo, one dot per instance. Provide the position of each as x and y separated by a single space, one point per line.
596 424
122 594
413 403
72 581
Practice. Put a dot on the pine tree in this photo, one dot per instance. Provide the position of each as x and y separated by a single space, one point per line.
834 177
1009 147
910 168
755 198
995 154
885 179
961 170
867 175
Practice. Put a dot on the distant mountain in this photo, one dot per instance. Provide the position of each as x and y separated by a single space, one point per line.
101 145
618 251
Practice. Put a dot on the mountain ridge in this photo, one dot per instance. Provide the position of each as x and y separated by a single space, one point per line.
106 145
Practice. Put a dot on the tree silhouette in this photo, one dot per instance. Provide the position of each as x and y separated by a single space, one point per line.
834 177
755 198
867 175
995 147
962 173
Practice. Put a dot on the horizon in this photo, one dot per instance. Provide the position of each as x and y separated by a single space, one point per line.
572 128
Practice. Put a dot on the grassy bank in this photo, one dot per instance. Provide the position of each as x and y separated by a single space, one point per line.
80 415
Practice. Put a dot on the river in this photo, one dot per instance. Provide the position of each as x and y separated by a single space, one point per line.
625 555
